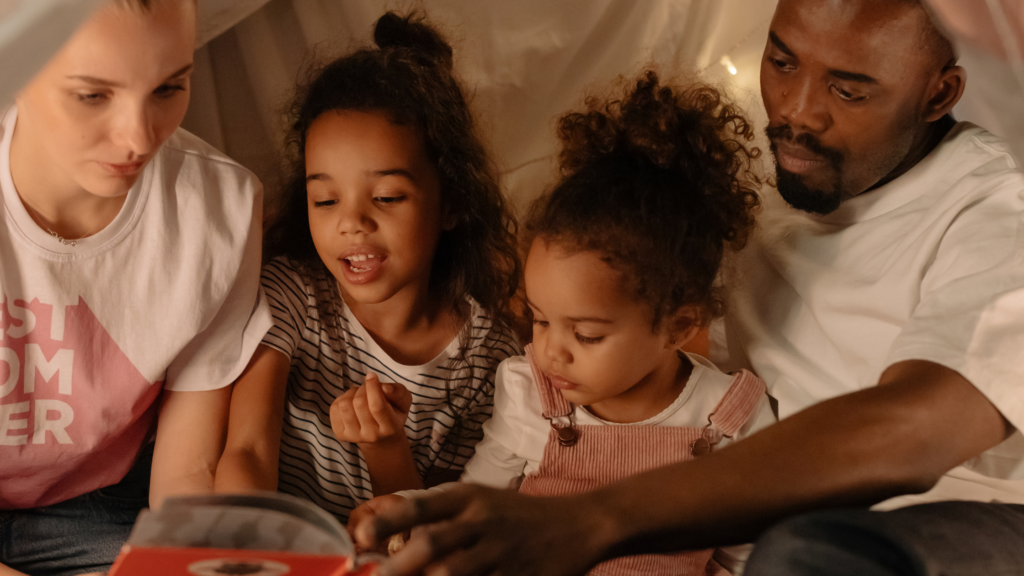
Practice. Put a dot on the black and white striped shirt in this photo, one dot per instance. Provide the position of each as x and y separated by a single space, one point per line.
313 463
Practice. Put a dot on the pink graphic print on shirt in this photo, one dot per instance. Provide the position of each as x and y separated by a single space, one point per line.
74 410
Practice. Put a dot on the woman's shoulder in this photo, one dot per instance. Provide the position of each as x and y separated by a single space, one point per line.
211 198
194 153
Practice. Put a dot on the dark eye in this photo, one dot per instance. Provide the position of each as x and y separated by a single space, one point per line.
844 95
324 203
168 90
388 199
781 64
587 339
541 323
90 98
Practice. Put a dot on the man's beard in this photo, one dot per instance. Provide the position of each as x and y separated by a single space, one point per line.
792 187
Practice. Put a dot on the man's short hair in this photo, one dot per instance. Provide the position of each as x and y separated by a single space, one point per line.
932 39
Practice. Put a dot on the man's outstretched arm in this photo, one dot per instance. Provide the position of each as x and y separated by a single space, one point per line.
896 438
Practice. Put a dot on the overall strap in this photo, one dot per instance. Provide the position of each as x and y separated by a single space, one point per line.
551 400
739 401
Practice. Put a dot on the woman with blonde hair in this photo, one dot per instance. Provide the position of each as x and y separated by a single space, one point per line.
129 287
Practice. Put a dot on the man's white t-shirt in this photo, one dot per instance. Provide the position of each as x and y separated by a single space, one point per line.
929 266
166 296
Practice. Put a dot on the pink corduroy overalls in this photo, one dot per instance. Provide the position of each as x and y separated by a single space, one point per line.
581 458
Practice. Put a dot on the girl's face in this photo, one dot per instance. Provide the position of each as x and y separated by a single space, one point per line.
101 108
593 340
374 204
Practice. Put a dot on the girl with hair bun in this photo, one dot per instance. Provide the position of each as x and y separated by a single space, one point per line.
393 267
623 257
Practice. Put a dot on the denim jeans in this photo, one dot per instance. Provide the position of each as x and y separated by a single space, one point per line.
938 539
83 534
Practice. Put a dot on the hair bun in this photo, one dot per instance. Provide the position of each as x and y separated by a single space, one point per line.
394 31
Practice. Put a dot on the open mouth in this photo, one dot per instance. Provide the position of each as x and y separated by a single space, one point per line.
361 263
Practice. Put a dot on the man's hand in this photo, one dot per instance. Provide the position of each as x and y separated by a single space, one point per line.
474 530
368 510
371 413
853 450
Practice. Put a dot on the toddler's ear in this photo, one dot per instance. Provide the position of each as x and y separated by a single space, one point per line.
684 325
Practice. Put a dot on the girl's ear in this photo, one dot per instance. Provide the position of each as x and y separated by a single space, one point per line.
683 326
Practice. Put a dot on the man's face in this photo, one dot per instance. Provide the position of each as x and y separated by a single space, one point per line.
844 83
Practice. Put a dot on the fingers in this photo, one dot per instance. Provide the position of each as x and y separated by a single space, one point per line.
443 540
399 397
343 417
378 407
369 428
411 512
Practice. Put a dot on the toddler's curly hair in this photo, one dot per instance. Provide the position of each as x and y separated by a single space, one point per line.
660 183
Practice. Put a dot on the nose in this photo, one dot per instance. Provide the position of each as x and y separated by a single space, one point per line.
134 130
802 106
552 346
354 216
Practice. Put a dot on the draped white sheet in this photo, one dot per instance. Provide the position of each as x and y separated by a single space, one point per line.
31 31
525 62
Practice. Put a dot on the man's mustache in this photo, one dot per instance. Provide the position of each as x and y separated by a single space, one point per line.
804 140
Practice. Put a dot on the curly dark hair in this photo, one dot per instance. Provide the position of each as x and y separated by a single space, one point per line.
660 183
409 78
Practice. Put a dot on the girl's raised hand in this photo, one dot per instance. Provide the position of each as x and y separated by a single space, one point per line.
371 413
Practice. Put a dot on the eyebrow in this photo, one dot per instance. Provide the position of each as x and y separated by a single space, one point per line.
780 44
577 319
109 84
852 76
377 173
840 74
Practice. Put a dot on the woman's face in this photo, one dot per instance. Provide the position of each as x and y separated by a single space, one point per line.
100 109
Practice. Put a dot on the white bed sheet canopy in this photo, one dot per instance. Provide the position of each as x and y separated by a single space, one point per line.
524 61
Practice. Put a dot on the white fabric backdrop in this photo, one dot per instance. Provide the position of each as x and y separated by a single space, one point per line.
526 62
31 31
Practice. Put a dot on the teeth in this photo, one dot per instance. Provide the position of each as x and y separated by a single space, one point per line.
361 257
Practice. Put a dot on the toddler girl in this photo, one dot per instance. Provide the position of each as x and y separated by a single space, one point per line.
623 256
393 266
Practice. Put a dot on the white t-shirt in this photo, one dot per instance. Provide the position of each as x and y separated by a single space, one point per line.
166 296
929 266
325 363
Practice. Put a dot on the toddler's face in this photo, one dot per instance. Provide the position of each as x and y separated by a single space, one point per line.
374 205
103 106
592 339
